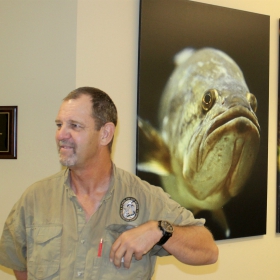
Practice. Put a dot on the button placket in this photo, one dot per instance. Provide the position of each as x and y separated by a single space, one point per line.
81 248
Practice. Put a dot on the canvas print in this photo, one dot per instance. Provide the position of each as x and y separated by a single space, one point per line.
203 85
278 145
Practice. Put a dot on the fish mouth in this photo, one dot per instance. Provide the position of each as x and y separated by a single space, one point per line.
237 123
223 153
230 115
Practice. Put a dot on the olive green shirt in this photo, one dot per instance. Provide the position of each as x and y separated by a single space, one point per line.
47 234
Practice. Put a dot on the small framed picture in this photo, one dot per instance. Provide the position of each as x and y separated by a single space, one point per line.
8 132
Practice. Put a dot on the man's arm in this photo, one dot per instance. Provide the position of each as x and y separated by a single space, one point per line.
192 245
20 275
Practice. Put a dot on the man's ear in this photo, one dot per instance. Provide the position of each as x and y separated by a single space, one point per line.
107 133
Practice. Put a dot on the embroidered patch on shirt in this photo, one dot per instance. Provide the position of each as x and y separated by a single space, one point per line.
129 209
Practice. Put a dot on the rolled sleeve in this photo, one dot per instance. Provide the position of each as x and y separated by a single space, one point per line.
174 213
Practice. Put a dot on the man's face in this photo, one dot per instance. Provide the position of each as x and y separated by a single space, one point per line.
76 137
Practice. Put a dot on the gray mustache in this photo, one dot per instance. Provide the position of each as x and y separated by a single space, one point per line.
65 143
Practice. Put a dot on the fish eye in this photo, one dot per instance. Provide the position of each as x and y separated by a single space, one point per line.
209 98
252 101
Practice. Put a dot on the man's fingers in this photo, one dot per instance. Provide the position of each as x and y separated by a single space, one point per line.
119 255
127 259
113 251
138 256
137 241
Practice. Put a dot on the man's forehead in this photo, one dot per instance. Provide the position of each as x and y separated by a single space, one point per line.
83 102
75 108
82 99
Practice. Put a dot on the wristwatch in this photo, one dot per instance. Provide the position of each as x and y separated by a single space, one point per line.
167 230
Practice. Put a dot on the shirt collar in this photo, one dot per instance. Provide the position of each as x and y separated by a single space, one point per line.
67 183
71 193
111 188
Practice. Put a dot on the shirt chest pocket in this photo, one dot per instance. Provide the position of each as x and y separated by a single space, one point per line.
107 270
43 252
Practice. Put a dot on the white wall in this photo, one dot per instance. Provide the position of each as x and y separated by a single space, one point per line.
107 40
49 47
37 69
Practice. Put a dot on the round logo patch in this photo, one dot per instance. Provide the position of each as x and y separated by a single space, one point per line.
129 209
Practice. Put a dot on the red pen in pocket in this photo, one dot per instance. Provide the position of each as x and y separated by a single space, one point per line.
99 254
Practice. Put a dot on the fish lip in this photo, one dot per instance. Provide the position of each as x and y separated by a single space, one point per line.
205 140
217 122
231 114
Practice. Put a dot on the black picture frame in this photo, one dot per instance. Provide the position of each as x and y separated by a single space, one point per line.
8 132
168 26
278 144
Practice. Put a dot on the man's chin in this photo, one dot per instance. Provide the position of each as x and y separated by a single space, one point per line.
67 162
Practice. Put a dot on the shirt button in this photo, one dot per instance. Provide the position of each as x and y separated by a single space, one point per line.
80 209
82 241
79 273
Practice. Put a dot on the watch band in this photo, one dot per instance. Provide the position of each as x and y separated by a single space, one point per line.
163 240
166 234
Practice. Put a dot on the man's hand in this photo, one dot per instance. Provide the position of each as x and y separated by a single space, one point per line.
193 245
135 243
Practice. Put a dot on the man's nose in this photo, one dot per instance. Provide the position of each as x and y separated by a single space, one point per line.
63 133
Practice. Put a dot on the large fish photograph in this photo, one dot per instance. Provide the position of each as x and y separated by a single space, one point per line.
202 118
278 142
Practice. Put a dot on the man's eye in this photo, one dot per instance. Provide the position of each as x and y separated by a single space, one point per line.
58 125
74 125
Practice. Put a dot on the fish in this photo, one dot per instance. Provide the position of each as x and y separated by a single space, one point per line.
208 135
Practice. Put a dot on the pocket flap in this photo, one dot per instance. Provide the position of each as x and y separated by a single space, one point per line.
43 234
119 228
43 271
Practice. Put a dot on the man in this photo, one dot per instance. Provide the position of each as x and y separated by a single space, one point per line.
93 220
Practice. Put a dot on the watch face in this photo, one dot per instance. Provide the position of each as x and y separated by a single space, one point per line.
167 226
